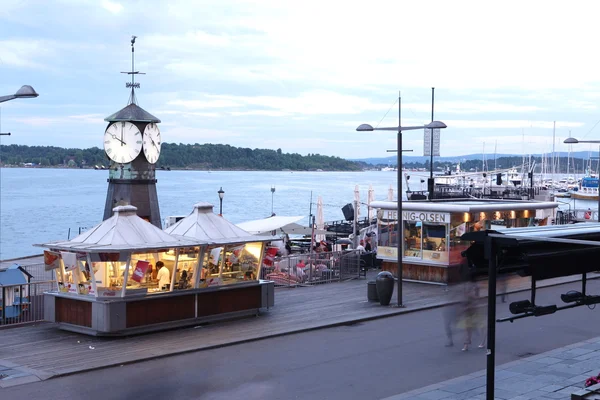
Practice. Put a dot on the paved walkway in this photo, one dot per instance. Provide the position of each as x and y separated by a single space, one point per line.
555 374
39 352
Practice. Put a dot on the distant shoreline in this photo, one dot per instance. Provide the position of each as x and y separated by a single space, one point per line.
182 169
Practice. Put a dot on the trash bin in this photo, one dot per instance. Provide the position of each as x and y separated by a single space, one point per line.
385 287
372 291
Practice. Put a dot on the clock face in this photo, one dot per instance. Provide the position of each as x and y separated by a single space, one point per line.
152 143
122 142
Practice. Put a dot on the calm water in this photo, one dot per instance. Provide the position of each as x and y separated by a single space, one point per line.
40 205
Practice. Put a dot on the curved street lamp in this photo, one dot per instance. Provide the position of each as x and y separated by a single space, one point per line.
572 140
26 92
399 129
221 194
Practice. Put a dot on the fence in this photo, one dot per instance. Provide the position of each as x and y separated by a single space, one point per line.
24 303
313 269
39 273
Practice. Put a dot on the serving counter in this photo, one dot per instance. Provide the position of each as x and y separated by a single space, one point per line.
140 313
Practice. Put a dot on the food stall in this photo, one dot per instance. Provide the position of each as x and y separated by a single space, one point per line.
431 231
127 276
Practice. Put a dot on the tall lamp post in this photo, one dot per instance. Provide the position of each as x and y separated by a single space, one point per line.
399 129
572 140
272 194
221 193
26 92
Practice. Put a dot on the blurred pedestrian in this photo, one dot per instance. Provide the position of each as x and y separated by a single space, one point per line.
472 315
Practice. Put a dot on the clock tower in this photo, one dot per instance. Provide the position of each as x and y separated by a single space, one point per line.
132 143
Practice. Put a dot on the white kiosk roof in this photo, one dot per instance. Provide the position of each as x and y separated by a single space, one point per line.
125 230
203 224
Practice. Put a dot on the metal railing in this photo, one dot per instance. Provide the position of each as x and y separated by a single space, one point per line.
22 304
39 272
313 269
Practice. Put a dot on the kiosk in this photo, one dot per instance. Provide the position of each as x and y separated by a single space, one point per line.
127 276
431 232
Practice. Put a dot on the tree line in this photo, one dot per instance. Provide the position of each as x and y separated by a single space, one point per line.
181 156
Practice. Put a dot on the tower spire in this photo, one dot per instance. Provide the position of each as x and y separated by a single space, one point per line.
133 84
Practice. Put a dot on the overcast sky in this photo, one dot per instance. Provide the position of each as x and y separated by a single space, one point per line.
301 75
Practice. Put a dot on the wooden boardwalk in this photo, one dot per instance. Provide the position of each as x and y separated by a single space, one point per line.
43 351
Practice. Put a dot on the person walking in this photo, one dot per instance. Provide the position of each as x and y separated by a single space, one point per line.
473 316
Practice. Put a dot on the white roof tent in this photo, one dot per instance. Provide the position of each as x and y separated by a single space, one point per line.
204 225
279 223
124 231
466 206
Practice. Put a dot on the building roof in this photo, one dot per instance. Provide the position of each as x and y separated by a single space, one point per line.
132 113
13 275
124 231
203 224
466 206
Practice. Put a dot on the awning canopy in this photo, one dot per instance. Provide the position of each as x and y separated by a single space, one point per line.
279 224
204 225
124 231
269 224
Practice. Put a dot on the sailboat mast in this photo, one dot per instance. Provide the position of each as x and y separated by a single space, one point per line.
495 148
553 154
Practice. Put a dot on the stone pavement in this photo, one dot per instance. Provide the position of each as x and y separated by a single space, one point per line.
39 352
555 374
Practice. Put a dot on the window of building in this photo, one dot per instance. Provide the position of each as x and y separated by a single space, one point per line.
412 239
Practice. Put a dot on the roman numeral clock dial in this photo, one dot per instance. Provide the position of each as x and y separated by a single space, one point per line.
122 142
152 142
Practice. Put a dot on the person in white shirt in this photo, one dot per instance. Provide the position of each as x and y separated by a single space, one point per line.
361 247
163 276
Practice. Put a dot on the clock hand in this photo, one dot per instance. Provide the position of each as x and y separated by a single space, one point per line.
115 137
122 127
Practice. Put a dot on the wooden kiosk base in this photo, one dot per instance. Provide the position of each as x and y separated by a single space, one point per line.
147 313
426 273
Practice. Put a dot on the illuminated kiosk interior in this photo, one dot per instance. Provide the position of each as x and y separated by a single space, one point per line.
108 282
431 232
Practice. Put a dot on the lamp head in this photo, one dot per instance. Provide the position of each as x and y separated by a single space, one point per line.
26 92
436 125
364 128
571 140
221 193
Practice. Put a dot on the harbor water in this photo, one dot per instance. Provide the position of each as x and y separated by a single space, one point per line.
38 205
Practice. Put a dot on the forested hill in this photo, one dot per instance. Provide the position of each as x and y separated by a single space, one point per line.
182 156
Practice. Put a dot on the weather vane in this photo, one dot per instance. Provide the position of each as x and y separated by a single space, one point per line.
133 84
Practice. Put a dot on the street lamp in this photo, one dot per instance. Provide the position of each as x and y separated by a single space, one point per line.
272 194
399 129
26 92
221 193
572 140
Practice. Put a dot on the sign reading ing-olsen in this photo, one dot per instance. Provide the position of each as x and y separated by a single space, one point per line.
422 216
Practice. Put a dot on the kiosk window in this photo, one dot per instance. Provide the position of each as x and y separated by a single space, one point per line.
412 239
434 237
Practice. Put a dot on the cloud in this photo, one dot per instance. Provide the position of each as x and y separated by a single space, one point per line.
112 7
70 119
